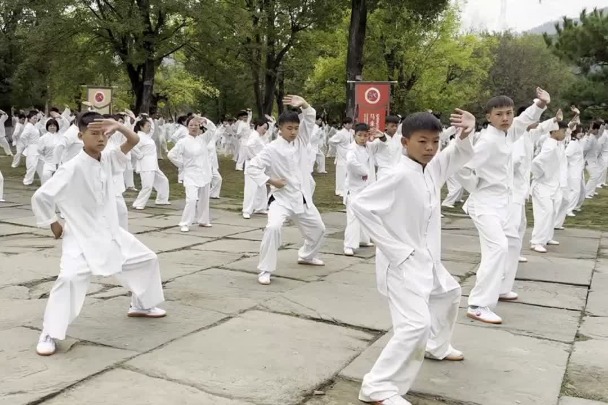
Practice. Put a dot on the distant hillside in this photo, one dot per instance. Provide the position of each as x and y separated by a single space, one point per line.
549 27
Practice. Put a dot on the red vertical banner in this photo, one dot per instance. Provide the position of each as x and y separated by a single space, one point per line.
372 101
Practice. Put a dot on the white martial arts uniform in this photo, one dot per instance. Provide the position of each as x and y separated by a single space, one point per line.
47 149
289 161
592 152
192 156
317 141
576 167
115 141
3 142
243 129
341 140
150 173
18 144
30 137
546 191
562 207
359 173
255 198
70 146
455 190
423 297
386 153
180 133
488 177
216 178
93 242
603 157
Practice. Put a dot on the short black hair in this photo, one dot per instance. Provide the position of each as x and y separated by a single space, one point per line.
86 118
420 121
258 122
347 120
54 109
361 127
50 122
561 125
190 118
392 119
181 119
242 113
289 117
521 109
499 102
140 124
319 118
21 116
31 114
596 125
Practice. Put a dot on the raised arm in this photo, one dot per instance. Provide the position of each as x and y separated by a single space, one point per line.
307 118
109 126
532 114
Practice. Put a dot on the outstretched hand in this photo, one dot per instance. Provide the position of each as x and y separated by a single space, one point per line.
575 110
560 115
105 125
295 101
543 96
464 120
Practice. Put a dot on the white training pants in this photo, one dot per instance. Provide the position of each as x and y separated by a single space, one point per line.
5 146
354 234
310 224
582 193
33 166
128 175
340 178
562 209
320 160
574 192
196 209
455 192
603 163
152 179
595 173
123 212
500 248
255 198
545 203
47 173
140 274
422 321
17 156
241 156
1 187
216 183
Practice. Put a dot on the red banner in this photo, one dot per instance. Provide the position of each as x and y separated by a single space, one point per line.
372 101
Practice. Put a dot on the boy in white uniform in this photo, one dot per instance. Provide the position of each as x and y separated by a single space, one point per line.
423 297
488 177
93 242
255 199
30 137
342 140
359 173
592 157
576 168
19 124
243 129
3 142
546 190
387 150
286 160
317 142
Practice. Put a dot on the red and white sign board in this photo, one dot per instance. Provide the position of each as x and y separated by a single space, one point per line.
372 101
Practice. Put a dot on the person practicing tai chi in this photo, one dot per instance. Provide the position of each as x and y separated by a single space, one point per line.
93 242
191 156
284 164
255 199
546 189
422 296
488 177
387 150
3 142
341 141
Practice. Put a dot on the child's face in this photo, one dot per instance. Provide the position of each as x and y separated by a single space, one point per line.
501 118
391 128
361 137
559 135
34 119
289 131
22 120
262 130
422 146
319 122
146 127
348 126
95 141
52 129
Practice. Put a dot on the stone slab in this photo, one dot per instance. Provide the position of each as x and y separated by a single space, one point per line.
29 268
544 294
587 373
289 235
106 322
597 303
225 291
27 242
287 265
460 242
579 401
127 387
217 231
297 355
528 320
25 376
594 327
249 247
336 247
161 242
343 298
7 229
494 358
570 247
455 255
184 262
16 216
19 312
557 270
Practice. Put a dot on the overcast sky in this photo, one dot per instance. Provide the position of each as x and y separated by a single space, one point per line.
522 15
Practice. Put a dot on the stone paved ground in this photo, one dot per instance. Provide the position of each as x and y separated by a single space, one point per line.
306 339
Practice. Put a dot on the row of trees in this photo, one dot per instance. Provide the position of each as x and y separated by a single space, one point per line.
223 55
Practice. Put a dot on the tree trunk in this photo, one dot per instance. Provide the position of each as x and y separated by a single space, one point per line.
147 86
280 93
354 57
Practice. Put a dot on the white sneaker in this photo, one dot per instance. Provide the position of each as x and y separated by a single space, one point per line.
2 200
559 228
571 214
447 205
510 296
367 244
139 208
312 262
246 216
162 203
394 400
205 225
349 252
453 355
146 313
553 243
184 229
539 248
46 345
578 209
523 259
264 278
483 314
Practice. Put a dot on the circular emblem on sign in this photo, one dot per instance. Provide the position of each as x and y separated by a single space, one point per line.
99 97
372 95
